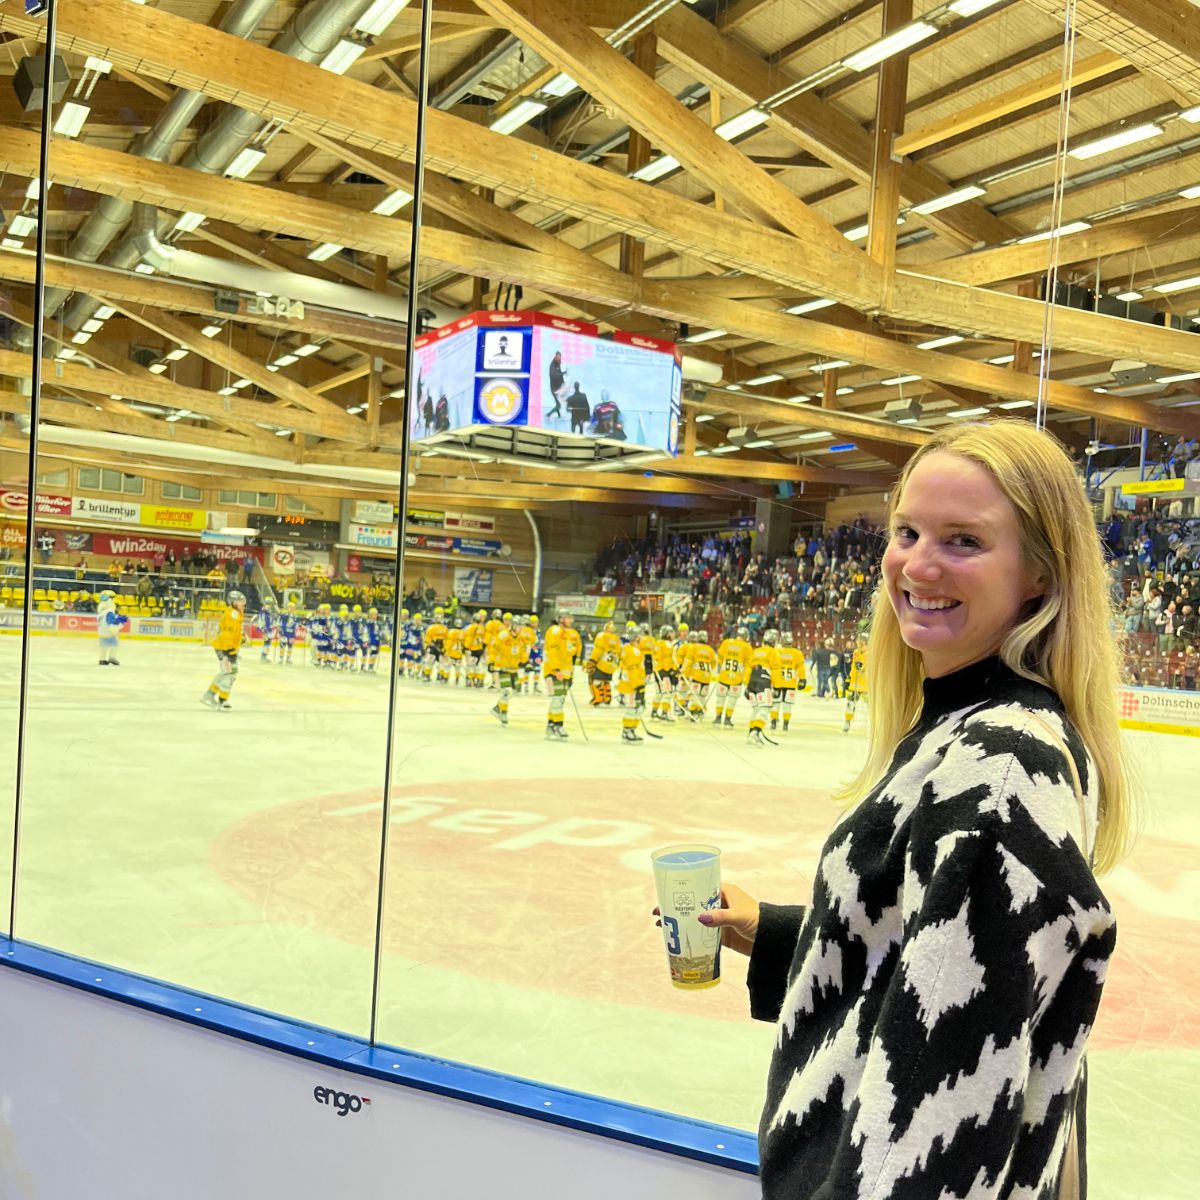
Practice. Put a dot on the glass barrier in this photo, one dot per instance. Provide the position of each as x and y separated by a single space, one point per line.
202 737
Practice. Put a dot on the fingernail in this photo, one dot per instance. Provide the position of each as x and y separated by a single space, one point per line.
705 918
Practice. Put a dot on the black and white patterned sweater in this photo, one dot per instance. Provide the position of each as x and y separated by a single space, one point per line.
934 1000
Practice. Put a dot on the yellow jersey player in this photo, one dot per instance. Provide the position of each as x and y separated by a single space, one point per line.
787 679
666 675
473 649
563 647
227 643
631 685
701 666
856 686
491 628
602 664
759 670
505 658
683 644
733 660
454 651
645 642
435 648
527 637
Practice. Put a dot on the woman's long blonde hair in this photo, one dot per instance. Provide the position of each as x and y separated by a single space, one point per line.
1067 643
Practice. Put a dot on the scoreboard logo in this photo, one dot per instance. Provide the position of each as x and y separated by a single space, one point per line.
501 400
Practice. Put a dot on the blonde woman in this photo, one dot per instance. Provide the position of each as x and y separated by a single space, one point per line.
935 997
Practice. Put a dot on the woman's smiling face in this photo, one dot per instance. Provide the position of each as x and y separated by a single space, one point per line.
953 566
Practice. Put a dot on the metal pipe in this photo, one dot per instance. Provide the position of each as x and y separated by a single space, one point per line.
537 559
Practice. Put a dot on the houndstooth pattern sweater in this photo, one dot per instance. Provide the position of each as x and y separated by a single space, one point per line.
934 1000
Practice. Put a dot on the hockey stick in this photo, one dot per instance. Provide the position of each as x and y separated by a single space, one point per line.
658 737
579 715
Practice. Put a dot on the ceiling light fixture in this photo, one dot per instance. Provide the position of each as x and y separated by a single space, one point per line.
307 349
969 412
1178 378
705 417
896 380
71 118
725 449
808 306
950 199
1129 296
968 8
520 114
286 360
325 250
343 56
1178 285
22 225
814 436
1010 404
244 162
707 336
157 368
894 43
1061 231
843 391
227 391
82 339
832 365
769 377
10 243
211 330
1002 360
176 354
1192 193
392 202
759 443
951 339
105 311
92 326
1116 141
561 85
379 16
656 168
188 221
752 118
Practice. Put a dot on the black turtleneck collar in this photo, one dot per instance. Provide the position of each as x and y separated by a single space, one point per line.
986 680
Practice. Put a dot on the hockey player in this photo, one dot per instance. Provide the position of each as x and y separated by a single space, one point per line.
109 623
227 643
683 644
320 633
373 630
289 625
435 648
343 639
491 628
527 637
733 661
666 675
701 666
787 679
602 664
563 648
856 686
412 646
358 630
764 661
505 657
631 687
454 652
268 622
536 655
473 649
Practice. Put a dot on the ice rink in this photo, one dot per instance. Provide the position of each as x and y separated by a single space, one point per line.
238 852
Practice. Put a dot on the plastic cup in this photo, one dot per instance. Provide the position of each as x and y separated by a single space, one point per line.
688 880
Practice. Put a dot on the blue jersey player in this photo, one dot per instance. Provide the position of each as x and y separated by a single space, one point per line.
372 629
289 626
320 633
268 622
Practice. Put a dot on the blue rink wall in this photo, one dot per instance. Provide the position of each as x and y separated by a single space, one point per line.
116 1085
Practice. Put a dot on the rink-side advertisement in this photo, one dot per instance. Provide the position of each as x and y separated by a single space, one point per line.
549 375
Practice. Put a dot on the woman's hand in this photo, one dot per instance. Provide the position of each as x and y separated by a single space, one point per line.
737 918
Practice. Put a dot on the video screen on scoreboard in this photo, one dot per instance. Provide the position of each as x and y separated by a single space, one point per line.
445 387
599 388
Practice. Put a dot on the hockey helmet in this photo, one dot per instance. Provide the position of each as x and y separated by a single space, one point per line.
403 613
704 636
236 597
683 628
357 608
268 603
630 626
694 635
644 628
457 621
419 618
342 608
372 612
666 631
743 633
495 614
481 614
787 639
324 608
533 620
771 637
507 617
439 611
108 594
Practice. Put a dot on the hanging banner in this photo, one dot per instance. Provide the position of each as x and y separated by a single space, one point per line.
374 512
473 586
165 516
47 506
314 562
147 545
121 511
380 537
423 516
470 522
281 560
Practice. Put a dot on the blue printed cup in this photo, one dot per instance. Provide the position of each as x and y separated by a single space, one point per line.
688 880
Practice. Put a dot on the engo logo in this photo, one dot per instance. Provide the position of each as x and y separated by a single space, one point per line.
344 1102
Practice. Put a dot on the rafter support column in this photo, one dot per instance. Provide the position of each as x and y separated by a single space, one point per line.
885 166
645 58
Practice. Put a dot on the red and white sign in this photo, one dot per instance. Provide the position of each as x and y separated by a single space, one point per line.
47 506
147 545
498 319
471 521
283 560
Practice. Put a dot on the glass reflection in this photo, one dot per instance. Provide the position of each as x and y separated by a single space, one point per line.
215 394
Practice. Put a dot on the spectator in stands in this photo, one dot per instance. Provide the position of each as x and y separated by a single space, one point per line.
45 545
1164 627
81 567
1135 611
160 561
114 570
172 563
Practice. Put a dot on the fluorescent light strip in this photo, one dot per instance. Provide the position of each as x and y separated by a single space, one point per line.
815 436
707 336
1011 404
211 330
379 16
1116 141
752 118
1129 296
1178 285
157 368
188 221
770 377
92 326
82 339
343 56
894 43
325 250
227 391
520 114
705 417
10 243
1191 193
725 449
105 311
244 162
950 199
1178 378
307 349
843 391
286 360
808 306
758 443
968 8
22 225
833 364
1002 360
176 355
656 169
1061 231
561 85
71 118
896 380
951 339
969 412
393 202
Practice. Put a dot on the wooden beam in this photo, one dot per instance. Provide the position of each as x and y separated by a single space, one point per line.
408 43
1095 66
792 472
562 38
885 166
